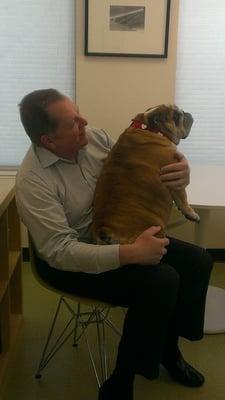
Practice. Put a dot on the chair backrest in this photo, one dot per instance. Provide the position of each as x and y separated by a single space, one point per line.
33 263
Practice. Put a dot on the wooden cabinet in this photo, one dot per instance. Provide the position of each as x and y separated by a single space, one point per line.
10 270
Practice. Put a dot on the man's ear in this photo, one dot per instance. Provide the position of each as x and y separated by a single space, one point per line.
46 141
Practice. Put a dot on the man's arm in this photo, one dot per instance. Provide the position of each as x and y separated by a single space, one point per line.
58 244
55 241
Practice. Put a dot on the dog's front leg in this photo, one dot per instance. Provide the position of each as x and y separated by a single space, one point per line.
180 198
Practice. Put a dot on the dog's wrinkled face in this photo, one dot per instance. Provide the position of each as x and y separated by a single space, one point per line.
169 120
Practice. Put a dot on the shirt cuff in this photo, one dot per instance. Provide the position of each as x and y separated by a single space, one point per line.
108 257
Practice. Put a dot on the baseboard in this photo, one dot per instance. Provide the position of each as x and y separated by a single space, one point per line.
217 254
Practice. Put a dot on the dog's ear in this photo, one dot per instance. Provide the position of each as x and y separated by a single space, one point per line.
154 120
139 117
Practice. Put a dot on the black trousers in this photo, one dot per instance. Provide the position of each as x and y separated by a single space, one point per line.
163 301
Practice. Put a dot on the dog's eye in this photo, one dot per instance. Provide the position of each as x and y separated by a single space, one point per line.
176 117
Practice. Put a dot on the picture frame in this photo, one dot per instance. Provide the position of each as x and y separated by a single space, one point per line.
127 28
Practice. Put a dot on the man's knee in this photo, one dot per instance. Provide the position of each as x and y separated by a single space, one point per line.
205 263
164 284
168 280
208 260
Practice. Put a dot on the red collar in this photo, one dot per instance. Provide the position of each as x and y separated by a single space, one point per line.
139 125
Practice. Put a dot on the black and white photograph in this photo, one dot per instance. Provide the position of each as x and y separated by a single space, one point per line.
126 18
127 28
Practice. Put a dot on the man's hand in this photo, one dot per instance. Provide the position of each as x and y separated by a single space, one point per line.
146 250
176 176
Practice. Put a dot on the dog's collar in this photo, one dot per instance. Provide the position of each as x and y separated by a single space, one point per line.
136 124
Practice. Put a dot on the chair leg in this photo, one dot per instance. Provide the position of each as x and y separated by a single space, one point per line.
102 345
99 321
80 320
50 350
75 336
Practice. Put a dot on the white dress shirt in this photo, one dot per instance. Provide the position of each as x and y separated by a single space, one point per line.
54 198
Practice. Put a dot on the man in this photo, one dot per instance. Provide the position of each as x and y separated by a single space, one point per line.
162 282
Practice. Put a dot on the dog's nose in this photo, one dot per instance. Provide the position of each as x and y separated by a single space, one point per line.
189 118
187 124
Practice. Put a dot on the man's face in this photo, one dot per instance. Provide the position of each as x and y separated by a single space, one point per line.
70 135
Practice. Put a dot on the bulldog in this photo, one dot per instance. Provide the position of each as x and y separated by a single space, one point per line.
129 195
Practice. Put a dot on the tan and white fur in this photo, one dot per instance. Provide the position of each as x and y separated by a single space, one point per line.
129 195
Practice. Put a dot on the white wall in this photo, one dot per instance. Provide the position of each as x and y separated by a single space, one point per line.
111 90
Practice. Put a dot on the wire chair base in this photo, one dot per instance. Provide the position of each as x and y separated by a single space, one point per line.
76 326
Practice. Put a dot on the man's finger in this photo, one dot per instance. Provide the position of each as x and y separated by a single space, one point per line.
166 242
179 156
154 229
172 176
170 168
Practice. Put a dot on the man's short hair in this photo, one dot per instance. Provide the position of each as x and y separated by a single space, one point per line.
34 113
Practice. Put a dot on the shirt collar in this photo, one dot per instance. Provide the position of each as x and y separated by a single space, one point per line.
47 158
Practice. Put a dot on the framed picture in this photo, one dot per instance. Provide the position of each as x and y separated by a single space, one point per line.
127 28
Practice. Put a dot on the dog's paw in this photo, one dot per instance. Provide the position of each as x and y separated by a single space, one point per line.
192 215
